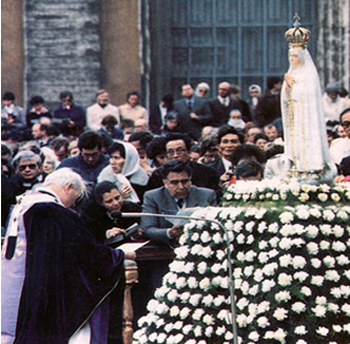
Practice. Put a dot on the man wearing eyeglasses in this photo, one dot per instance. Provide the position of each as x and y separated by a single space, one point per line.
342 148
177 147
91 161
176 193
28 172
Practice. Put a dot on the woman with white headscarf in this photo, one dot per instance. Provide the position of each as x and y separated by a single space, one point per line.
305 133
125 172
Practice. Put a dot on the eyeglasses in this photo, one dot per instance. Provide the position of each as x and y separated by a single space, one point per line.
176 182
203 91
21 168
90 155
345 124
178 151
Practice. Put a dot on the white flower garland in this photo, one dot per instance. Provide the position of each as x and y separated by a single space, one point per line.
291 273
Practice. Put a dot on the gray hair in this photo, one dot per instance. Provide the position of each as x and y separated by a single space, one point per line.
25 156
64 176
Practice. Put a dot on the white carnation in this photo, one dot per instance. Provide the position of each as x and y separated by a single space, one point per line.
208 300
192 282
317 280
267 285
240 239
195 237
323 197
320 311
273 228
338 246
286 217
299 262
205 237
208 319
280 314
312 231
185 296
262 244
332 275
324 245
220 255
254 336
322 331
326 229
198 331
285 260
301 276
258 275
219 300
303 213
285 243
241 320
174 311
182 252
312 248
316 263
180 282
184 313
202 267
263 322
194 299
328 215
204 284
338 231
306 291
283 296
298 307
217 238
300 330
284 279
329 261
198 313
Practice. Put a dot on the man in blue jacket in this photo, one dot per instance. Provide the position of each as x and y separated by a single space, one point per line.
69 117
91 161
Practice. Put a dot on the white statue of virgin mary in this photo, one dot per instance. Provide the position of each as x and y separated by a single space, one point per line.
305 134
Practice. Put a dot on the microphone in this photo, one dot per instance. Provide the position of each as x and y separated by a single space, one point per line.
118 214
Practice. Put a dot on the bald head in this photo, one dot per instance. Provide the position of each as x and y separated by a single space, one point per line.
224 89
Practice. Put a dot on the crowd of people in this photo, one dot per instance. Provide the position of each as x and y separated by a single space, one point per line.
180 154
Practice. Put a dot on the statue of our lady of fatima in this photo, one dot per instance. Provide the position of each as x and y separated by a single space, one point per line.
305 135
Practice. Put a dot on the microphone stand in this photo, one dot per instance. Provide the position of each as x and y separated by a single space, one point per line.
228 253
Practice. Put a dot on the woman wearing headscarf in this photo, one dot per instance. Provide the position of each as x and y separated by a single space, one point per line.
125 171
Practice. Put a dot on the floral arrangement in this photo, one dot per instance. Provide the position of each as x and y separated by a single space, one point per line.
291 274
280 192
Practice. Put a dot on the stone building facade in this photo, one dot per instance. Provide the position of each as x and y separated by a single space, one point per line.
123 45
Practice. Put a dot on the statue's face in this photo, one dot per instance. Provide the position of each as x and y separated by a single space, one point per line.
294 58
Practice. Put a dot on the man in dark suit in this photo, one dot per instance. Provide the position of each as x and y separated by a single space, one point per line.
177 193
193 112
177 188
157 114
221 106
177 147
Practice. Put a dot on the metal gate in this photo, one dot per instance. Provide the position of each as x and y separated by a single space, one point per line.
241 41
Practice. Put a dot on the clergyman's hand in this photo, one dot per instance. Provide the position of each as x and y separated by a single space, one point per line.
176 231
110 233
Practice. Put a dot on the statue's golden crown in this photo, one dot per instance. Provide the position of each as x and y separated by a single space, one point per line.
297 36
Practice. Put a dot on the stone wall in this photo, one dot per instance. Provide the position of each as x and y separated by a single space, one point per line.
62 49
333 42
12 55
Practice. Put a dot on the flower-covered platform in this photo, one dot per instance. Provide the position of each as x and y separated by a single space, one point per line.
291 264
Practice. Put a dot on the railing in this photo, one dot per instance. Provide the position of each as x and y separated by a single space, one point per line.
148 252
